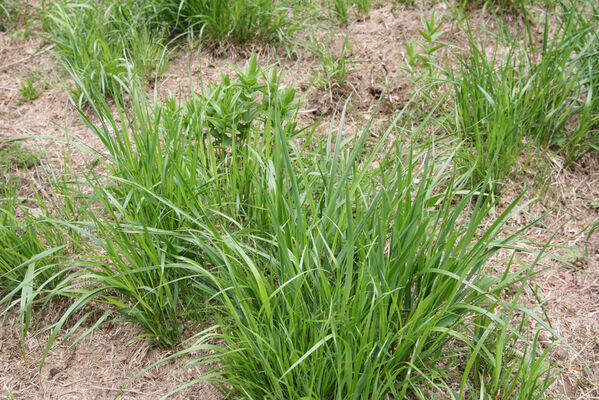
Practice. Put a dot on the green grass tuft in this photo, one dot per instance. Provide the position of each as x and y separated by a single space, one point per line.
15 155
227 21
102 42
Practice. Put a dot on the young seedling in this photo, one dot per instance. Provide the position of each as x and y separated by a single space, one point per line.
335 69
423 53
28 89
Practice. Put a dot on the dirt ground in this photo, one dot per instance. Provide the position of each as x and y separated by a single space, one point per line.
101 364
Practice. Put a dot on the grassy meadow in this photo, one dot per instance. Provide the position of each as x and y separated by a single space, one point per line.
379 242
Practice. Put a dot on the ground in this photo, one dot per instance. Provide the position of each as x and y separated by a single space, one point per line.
98 366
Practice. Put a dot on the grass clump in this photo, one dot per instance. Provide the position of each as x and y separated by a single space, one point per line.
9 12
334 70
227 21
546 93
489 103
340 9
4 14
496 5
361 280
329 277
15 155
22 240
173 169
101 42
31 254
28 89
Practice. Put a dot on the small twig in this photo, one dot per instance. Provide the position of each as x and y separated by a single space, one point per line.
118 390
72 383
12 64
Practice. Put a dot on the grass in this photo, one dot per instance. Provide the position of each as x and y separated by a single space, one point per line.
510 6
198 157
333 71
341 9
8 9
363 278
102 41
361 284
31 250
544 93
227 21
343 265
489 115
14 154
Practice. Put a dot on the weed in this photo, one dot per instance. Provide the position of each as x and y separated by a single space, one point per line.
9 12
340 9
488 116
222 20
321 264
363 5
4 14
359 281
496 5
426 57
199 157
13 154
28 89
334 70
102 41
30 254
368 278
545 94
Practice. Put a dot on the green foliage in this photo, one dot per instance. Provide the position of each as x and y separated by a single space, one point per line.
489 115
348 271
546 93
496 5
225 20
4 14
103 42
28 89
334 70
318 264
8 10
340 9
361 281
13 154
423 53
31 250
198 158
578 52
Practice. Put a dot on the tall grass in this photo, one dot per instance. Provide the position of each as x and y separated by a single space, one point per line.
32 250
195 154
23 241
489 101
546 93
102 41
4 14
340 9
9 11
175 168
329 277
221 20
